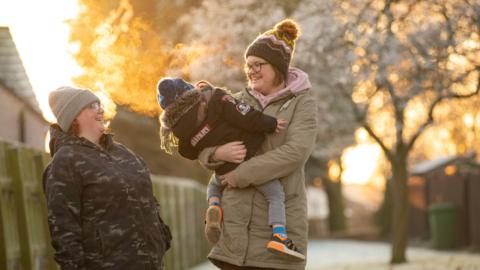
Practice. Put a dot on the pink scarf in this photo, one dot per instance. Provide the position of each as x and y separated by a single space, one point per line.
297 81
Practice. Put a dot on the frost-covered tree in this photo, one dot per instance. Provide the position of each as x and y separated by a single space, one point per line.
408 58
326 67
216 35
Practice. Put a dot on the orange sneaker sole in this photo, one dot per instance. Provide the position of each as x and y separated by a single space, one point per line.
281 249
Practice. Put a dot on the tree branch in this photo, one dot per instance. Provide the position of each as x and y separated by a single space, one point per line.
388 152
434 104
398 102
361 117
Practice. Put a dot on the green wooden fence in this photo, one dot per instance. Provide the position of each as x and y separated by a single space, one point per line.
24 235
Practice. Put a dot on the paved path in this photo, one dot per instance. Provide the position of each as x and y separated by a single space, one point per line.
356 255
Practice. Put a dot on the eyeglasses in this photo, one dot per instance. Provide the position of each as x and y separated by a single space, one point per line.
96 106
256 67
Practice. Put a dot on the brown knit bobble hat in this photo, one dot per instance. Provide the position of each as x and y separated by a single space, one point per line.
67 102
276 45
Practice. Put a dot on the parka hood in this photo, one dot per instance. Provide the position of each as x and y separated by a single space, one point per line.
297 82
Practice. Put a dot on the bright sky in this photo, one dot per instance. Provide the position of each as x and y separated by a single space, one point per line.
41 37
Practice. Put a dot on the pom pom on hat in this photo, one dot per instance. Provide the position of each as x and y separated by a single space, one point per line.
287 30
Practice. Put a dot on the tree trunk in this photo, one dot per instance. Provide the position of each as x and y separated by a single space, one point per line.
400 209
336 205
384 215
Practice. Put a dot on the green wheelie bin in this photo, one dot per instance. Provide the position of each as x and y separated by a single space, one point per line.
442 225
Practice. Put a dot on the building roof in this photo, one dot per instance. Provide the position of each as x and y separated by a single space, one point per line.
430 165
12 72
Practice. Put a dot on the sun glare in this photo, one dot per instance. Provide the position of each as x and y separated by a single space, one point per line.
469 120
360 163
41 36
361 136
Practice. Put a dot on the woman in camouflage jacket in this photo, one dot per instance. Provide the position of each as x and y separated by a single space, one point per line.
101 210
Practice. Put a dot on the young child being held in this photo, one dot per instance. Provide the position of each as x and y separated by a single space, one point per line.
201 116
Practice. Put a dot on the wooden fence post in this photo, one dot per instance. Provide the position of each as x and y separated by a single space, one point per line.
41 161
10 257
182 206
33 241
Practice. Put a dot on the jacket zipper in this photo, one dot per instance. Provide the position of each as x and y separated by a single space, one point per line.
263 109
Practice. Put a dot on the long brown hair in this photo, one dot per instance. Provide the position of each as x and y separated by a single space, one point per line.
279 76
74 128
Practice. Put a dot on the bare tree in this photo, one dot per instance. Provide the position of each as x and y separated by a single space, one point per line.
406 59
216 34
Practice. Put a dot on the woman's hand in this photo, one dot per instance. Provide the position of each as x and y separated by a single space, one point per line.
281 124
229 179
233 152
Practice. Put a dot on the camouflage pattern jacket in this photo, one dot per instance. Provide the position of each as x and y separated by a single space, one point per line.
101 210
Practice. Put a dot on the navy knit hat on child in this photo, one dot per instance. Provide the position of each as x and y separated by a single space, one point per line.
169 89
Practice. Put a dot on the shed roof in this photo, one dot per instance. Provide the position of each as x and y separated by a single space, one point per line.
430 165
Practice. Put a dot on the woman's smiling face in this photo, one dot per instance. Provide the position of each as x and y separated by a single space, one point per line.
91 118
260 74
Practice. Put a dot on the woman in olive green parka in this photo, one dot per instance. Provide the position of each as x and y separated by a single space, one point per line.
282 92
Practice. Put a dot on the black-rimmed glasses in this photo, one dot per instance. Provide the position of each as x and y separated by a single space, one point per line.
255 67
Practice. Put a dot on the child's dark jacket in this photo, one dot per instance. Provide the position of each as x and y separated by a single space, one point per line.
227 120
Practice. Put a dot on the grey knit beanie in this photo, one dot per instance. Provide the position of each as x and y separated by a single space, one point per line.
67 102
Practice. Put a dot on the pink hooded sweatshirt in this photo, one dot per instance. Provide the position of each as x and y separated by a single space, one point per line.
297 81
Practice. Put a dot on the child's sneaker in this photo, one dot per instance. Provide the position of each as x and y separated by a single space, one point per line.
284 246
213 223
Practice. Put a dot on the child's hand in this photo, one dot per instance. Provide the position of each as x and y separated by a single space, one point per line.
233 152
281 124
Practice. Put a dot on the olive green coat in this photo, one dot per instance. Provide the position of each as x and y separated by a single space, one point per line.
245 210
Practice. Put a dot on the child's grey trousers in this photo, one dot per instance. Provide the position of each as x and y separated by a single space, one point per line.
272 190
